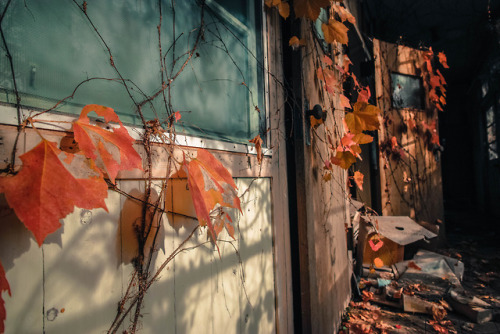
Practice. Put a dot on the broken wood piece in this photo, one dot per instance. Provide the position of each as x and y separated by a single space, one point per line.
473 308
377 274
415 304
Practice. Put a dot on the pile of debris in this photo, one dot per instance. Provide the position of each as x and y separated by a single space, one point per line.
419 295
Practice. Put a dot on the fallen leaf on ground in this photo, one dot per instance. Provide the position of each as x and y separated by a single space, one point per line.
413 265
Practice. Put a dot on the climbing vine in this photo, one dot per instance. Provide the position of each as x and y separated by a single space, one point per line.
82 175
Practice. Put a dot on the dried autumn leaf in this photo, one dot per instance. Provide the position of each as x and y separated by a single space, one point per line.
177 116
335 31
358 179
344 14
328 77
272 3
258 146
309 8
367 295
113 148
364 117
441 78
413 265
210 184
4 286
362 138
343 159
438 312
347 143
327 60
376 246
295 42
394 142
364 94
440 329
344 102
284 9
44 191
443 60
378 262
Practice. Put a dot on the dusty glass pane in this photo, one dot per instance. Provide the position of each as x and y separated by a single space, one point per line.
55 50
406 91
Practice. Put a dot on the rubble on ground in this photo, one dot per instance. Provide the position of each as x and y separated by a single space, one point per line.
432 292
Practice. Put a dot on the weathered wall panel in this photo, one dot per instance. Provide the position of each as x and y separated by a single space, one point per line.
75 280
329 265
411 183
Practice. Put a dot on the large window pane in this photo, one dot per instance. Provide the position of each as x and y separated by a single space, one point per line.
55 49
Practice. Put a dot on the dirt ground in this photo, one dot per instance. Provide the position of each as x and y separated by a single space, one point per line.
479 250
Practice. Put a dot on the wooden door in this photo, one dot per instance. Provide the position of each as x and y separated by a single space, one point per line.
410 168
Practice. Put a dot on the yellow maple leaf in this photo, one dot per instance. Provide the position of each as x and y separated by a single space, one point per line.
364 117
343 159
335 31
361 138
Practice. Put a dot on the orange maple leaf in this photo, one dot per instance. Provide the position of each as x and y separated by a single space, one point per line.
344 102
335 31
358 179
258 146
210 184
443 60
295 42
4 286
327 60
344 14
364 94
328 77
284 9
44 191
364 117
309 8
110 147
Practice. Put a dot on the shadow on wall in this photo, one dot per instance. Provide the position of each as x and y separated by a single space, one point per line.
77 285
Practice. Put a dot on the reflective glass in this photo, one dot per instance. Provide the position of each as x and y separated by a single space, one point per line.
56 50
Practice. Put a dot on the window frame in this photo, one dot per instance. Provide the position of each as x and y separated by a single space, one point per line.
422 91
53 120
